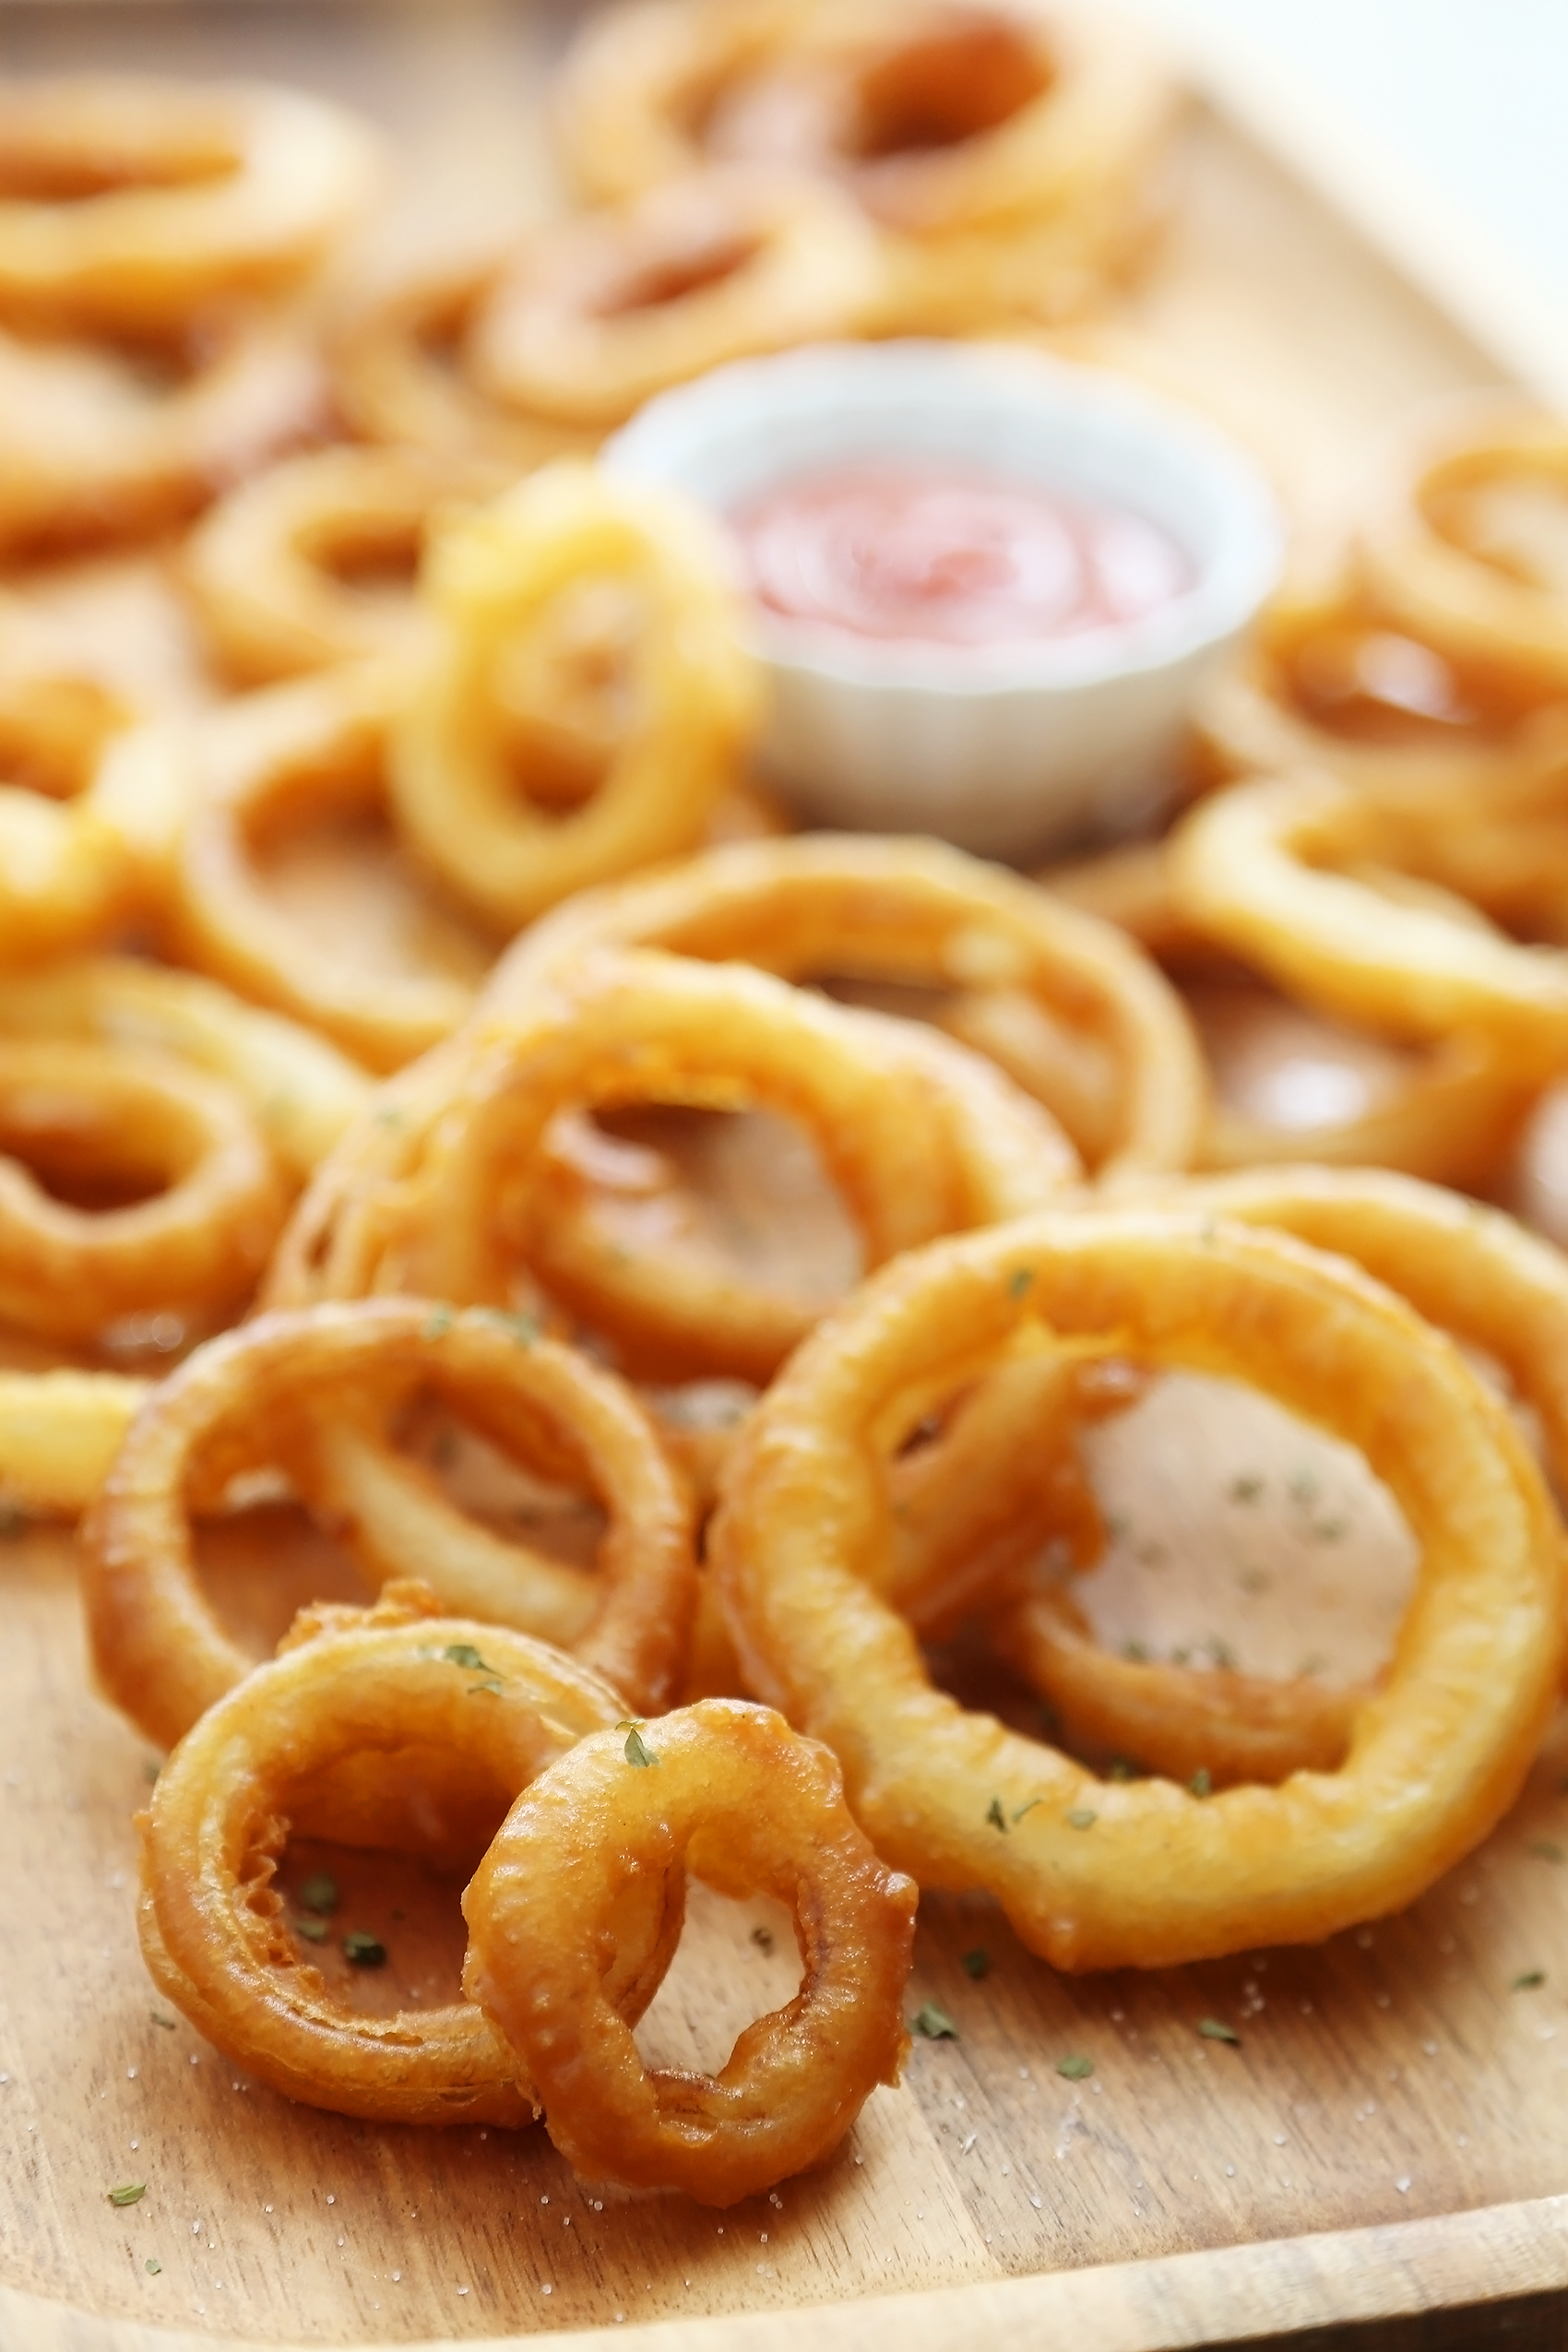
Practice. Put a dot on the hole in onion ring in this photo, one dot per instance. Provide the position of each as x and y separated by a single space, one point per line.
71 1155
261 1562
955 82
342 875
675 275
703 2006
406 1904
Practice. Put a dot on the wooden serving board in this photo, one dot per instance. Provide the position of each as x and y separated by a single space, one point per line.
1389 2133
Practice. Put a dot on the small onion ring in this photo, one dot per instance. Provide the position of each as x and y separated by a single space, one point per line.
597 315
753 1808
260 565
493 581
1249 867
923 1137
160 1651
313 747
918 912
1427 558
92 450
211 1927
1145 1874
1470 1271
192 1249
128 200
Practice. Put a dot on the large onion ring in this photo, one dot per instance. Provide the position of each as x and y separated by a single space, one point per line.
358 1695
255 1395
264 567
190 1250
753 1808
491 581
597 314
315 747
128 200
1145 1874
922 1136
1021 970
1472 1271
1254 868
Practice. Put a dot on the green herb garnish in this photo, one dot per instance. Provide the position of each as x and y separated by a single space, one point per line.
763 1939
152 2266
313 1930
1019 1280
995 1816
1028 1807
129 2192
319 1893
1214 2030
1545 1849
1076 2069
976 1963
362 1950
1201 1782
1529 1980
439 1319
158 2018
935 2024
638 1751
1081 1818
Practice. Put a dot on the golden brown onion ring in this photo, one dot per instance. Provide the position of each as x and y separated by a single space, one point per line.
126 201
495 583
1075 1015
273 569
597 314
921 1137
732 1792
255 1398
356 1694
310 754
1102 1874
206 1202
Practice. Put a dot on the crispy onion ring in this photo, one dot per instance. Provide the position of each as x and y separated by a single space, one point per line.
301 1091
1472 1271
95 445
356 1694
1333 680
125 201
1074 1016
922 1137
67 872
1454 556
597 314
753 1808
253 1399
494 582
1144 1874
1453 1114
1254 868
189 1247
394 351
303 753
269 568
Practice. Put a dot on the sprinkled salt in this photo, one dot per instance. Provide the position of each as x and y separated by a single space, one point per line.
1403 2184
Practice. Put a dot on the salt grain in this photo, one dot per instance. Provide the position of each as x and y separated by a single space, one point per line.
1403 2184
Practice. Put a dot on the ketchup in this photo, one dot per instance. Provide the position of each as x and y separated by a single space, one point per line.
952 555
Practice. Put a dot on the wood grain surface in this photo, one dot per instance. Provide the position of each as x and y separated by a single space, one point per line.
1390 2133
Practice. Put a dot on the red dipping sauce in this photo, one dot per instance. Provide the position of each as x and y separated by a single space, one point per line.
945 554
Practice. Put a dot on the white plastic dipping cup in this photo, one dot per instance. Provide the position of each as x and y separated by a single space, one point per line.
1011 750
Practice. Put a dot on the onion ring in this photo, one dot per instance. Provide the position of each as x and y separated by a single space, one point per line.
1145 1874
756 1809
492 582
1473 1273
313 749
265 567
125 201
301 1092
597 314
251 1395
922 1136
1249 867
211 1925
1461 576
95 445
188 1247
916 912
395 351
1455 1109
